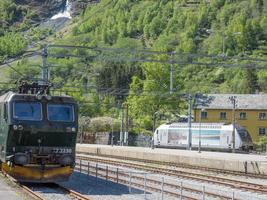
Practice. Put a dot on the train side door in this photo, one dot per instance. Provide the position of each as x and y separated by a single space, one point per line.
164 137
224 138
229 139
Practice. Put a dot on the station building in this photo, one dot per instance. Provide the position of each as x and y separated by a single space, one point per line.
250 111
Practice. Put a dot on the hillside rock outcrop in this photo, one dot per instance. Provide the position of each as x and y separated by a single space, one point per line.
44 8
78 6
47 8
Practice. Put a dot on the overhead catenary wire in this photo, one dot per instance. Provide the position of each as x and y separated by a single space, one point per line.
100 56
152 52
142 55
20 57
18 72
142 59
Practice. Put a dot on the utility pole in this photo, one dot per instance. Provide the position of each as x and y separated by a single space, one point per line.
199 133
122 125
154 129
189 122
233 100
171 73
154 122
45 70
112 130
126 134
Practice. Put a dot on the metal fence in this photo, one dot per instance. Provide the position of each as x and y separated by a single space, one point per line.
152 186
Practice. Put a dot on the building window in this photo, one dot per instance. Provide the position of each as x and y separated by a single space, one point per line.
262 116
223 115
204 115
243 115
261 131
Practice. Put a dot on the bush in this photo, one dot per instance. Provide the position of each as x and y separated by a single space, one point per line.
100 124
261 144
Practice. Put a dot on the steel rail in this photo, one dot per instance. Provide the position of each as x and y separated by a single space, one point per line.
36 196
23 187
72 193
31 192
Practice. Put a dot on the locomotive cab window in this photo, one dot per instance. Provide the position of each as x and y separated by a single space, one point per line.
60 112
31 111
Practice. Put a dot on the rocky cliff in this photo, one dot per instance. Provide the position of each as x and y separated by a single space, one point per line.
47 8
78 6
44 8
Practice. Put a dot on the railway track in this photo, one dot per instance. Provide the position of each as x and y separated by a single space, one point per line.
29 189
181 165
232 183
73 194
31 192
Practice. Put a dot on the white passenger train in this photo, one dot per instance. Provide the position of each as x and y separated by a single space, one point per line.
213 136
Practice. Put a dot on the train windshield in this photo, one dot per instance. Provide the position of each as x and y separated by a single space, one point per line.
31 111
60 112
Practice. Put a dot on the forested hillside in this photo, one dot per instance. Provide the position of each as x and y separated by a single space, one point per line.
12 20
180 27
215 27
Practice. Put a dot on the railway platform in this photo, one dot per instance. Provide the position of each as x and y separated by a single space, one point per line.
245 163
8 191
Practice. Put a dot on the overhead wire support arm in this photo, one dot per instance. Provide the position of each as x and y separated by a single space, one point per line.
45 70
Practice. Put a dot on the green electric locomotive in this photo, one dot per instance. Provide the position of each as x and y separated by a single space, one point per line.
37 134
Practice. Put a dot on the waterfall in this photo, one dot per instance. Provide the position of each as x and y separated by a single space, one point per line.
65 13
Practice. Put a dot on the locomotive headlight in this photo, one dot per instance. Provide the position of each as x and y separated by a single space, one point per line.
15 127
70 129
20 127
39 97
48 97
21 158
66 160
